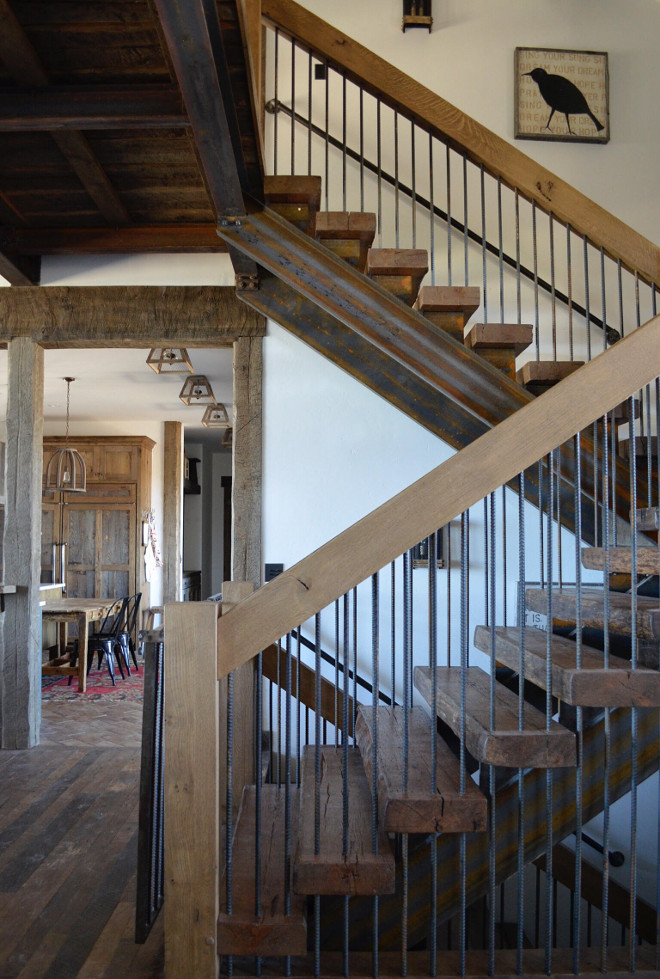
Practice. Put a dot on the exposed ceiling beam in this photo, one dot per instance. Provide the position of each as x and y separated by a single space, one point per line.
22 63
127 316
106 107
19 270
82 241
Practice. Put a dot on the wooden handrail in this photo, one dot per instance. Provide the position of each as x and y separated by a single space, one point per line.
439 497
483 147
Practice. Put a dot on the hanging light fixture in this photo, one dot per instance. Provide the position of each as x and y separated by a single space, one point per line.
216 416
197 390
65 472
228 438
169 360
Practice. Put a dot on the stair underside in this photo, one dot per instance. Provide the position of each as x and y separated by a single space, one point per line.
504 744
417 809
360 870
592 603
590 686
272 932
620 559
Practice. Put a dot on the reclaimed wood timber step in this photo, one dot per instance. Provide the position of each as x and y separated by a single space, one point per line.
273 932
538 376
620 559
505 745
418 809
360 870
647 518
644 446
590 686
449 307
399 270
348 234
592 603
500 343
296 199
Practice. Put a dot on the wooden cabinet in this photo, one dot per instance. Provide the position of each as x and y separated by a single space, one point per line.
102 527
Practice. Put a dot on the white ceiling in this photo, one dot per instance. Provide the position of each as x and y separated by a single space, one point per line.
117 385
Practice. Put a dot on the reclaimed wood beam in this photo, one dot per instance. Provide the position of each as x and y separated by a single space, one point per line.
101 107
145 238
138 316
20 270
24 66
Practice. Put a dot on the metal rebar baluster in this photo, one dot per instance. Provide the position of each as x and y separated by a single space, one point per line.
634 716
553 299
466 236
355 641
487 618
431 211
287 790
309 113
258 727
317 785
293 106
298 718
484 252
278 692
361 148
433 664
393 630
492 721
603 296
500 246
579 734
560 563
413 214
464 627
548 721
449 221
229 834
375 681
535 269
276 98
345 790
343 142
504 561
396 179
326 148
607 719
521 723
587 302
379 171
448 580
569 291
518 274
336 698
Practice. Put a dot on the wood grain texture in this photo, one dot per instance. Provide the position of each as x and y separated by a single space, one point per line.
535 746
418 809
332 871
172 511
348 234
590 686
188 237
272 931
494 336
20 650
192 830
247 460
489 462
619 559
243 710
498 156
592 601
107 316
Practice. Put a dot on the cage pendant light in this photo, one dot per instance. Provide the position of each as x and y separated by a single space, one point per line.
216 416
170 360
65 472
197 390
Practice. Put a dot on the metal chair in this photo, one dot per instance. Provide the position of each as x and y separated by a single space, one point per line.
127 631
107 641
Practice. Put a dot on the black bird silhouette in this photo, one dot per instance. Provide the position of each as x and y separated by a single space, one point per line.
562 96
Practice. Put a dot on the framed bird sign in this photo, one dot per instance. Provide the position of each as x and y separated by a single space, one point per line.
561 95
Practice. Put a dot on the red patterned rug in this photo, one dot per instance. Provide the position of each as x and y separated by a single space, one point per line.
99 685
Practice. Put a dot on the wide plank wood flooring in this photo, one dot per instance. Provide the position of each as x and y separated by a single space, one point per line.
68 848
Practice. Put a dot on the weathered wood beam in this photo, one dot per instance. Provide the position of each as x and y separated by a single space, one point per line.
172 512
138 316
103 241
247 460
24 66
20 270
20 652
101 107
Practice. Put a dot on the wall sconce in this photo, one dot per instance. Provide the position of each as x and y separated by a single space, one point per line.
416 13
65 472
169 360
216 416
197 390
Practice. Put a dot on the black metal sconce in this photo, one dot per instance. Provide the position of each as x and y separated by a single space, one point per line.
417 13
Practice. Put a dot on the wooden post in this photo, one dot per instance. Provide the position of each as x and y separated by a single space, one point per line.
173 512
192 824
20 655
247 461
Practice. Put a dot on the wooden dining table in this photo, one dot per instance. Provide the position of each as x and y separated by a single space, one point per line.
82 611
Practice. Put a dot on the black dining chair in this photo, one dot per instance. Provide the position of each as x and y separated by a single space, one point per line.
127 633
107 641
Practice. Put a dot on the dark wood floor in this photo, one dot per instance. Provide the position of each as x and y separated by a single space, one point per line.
68 843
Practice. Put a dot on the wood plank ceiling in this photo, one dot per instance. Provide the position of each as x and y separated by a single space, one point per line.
103 147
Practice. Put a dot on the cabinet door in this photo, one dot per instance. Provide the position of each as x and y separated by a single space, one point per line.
101 551
118 462
50 534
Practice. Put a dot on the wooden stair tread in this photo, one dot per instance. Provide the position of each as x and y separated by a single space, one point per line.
647 518
273 932
418 810
642 446
620 622
620 559
449 299
495 336
399 270
546 371
590 686
533 747
296 199
330 872
348 234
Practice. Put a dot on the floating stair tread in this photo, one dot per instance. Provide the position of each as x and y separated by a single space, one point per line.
449 299
495 336
590 686
533 747
546 371
296 199
273 932
417 810
620 619
398 261
620 559
643 445
348 234
330 872
648 518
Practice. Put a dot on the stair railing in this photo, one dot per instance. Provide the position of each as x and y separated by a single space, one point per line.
367 571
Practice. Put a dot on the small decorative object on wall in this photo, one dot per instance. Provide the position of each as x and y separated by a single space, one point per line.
420 552
561 95
417 13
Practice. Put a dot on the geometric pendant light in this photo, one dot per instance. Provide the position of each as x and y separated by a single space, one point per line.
216 416
169 360
66 472
197 390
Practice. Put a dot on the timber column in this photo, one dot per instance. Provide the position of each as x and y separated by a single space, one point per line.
20 656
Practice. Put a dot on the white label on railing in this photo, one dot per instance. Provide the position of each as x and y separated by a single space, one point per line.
536 620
